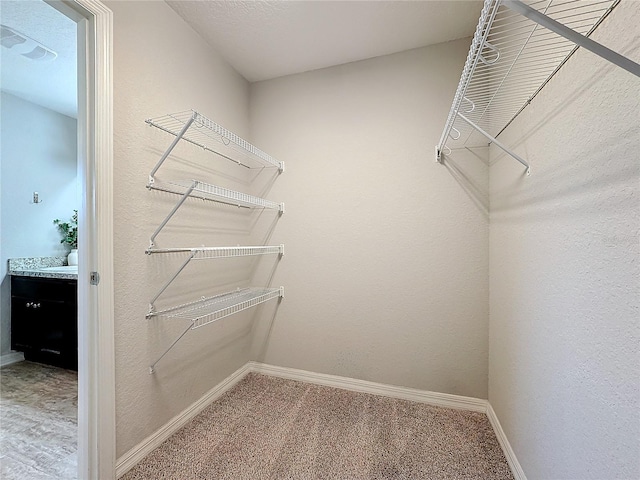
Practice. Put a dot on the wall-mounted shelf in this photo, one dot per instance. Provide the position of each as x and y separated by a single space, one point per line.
517 47
200 253
211 309
205 191
195 128
198 130
207 253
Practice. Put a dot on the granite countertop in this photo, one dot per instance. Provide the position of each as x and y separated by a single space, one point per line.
43 267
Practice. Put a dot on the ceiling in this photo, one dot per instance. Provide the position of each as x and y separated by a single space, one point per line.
50 83
260 39
268 39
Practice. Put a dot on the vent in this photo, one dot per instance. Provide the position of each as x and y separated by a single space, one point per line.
24 45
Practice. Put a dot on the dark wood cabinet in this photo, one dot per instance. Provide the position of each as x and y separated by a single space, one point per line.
44 325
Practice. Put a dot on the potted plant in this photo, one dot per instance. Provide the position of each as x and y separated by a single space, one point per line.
69 232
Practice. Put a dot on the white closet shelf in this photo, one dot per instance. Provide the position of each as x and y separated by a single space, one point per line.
517 47
211 309
205 253
206 191
198 130
200 253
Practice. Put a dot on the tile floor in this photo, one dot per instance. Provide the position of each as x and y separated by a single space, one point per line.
38 422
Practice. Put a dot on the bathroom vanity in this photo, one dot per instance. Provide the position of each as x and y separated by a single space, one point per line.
44 311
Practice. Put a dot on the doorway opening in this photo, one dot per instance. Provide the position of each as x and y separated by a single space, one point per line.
91 21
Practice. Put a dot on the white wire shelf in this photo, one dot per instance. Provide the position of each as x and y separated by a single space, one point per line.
214 193
211 309
195 128
517 47
201 253
207 253
205 191
207 310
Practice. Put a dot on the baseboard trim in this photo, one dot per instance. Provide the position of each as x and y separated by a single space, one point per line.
422 396
9 358
127 461
516 469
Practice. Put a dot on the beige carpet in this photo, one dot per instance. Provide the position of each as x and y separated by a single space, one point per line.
270 428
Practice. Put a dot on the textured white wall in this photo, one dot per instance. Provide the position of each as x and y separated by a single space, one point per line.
386 266
38 154
564 375
161 66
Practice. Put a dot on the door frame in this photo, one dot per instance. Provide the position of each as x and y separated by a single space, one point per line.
96 352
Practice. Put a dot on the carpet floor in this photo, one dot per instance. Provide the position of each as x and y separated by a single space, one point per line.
271 428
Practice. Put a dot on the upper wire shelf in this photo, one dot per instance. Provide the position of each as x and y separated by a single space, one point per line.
199 130
517 47
215 193
205 191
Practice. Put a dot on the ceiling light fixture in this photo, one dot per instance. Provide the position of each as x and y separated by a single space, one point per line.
24 45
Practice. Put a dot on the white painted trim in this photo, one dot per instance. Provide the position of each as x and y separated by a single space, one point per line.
516 469
137 453
414 395
96 359
10 358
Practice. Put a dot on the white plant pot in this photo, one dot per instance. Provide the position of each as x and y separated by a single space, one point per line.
72 258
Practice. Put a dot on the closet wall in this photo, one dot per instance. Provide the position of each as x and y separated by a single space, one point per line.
564 369
161 66
386 265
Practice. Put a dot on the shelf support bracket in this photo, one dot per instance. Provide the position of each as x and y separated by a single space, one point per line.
171 147
572 35
152 368
172 212
496 142
166 285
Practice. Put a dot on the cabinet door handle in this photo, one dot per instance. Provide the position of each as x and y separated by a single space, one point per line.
28 304
36 305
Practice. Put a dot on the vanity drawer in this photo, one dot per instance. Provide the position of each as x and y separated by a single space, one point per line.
53 289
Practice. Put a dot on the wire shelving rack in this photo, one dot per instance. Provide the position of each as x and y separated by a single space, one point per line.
193 127
211 309
207 253
205 191
517 48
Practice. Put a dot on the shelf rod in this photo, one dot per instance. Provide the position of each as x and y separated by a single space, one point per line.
173 211
573 36
171 147
498 144
166 285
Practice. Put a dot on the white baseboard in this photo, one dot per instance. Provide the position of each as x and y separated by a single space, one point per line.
137 453
9 358
422 396
516 469
127 461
